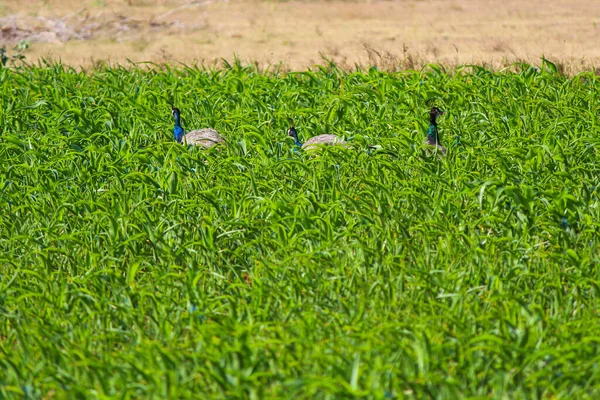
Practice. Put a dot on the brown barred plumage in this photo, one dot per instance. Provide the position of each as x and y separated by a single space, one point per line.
326 139
205 138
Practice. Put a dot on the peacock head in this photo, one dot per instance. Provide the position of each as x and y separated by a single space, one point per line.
175 112
292 131
434 113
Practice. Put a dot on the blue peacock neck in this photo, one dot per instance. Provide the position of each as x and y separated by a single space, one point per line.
178 131
432 133
294 134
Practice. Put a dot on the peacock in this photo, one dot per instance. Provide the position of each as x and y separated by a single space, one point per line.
315 141
205 138
433 137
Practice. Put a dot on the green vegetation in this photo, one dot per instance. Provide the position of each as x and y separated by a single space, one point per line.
132 266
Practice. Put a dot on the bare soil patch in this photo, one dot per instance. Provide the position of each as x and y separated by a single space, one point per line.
400 34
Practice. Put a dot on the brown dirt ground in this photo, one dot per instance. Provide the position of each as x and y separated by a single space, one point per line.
390 34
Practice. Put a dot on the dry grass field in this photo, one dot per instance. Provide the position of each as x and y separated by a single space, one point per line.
391 34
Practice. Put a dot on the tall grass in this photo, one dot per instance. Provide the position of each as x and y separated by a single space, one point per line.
132 266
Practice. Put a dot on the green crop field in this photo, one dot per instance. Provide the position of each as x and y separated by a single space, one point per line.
134 267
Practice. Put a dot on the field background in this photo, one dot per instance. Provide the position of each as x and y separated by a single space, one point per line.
134 267
298 34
